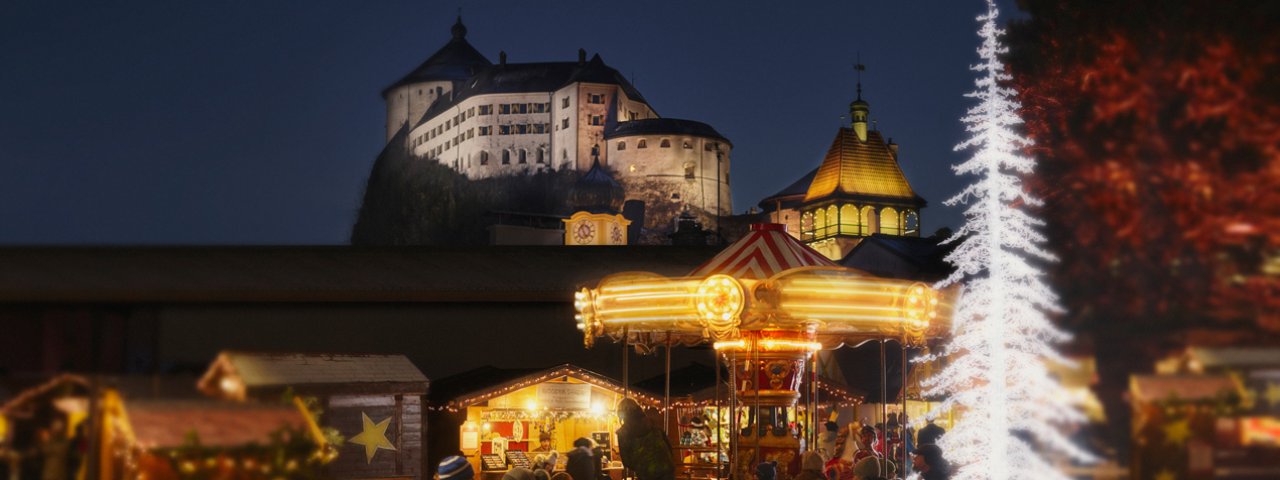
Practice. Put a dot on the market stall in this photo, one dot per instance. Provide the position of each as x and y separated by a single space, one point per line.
767 304
510 423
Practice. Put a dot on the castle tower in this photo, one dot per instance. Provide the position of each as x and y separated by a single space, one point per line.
858 191
439 76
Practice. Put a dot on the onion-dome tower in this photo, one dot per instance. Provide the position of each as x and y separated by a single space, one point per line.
596 200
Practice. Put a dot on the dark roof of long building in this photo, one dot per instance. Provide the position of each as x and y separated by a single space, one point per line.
323 274
791 195
455 61
664 126
532 77
925 254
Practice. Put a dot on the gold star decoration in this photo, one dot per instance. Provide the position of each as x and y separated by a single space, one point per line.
1273 393
1177 433
373 437
1165 474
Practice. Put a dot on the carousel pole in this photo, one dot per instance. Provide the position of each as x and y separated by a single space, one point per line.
755 383
734 431
666 391
813 404
719 418
902 417
626 372
884 408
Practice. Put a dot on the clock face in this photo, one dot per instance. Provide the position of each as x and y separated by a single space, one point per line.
584 232
615 234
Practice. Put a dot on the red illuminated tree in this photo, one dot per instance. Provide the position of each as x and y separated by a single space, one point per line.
1158 128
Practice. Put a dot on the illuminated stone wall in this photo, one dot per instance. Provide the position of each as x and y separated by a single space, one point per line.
669 178
409 102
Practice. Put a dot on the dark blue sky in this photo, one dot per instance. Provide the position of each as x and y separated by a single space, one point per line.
257 122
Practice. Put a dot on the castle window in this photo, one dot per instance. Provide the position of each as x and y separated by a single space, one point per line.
642 144
706 146
542 154
869 224
522 129
504 108
564 123
539 108
622 145
523 157
486 109
564 103
564 154
665 143
597 120
484 157
889 222
547 106
833 221
485 130
522 108
689 172
419 92
687 145
631 115
596 99
849 220
471 112
504 129
506 157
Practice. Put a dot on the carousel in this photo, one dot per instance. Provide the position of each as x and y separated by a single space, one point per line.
768 305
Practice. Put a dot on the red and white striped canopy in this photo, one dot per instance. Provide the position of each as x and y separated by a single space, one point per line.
763 253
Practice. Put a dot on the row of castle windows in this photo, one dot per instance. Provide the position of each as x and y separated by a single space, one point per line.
521 156
485 130
504 108
666 143
848 219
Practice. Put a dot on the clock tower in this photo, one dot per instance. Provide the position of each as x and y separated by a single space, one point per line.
596 200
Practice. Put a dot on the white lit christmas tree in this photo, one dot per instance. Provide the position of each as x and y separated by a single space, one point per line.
1012 411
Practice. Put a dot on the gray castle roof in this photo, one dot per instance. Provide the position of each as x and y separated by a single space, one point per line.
456 61
532 77
667 126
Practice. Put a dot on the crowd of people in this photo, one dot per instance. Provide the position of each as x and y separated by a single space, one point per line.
854 452
867 452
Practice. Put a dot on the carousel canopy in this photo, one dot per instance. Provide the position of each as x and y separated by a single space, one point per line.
766 289
766 251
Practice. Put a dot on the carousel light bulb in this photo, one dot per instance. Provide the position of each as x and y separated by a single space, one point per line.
531 405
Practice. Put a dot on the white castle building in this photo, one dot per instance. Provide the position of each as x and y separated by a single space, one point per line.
484 119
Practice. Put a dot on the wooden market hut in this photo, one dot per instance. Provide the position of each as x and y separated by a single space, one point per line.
373 401
564 401
171 439
58 402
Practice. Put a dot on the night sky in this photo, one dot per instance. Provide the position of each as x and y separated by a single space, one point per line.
257 122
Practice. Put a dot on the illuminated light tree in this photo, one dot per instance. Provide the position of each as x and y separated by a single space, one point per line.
1002 337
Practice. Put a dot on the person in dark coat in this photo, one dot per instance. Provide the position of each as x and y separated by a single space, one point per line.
581 464
928 461
642 445
930 434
